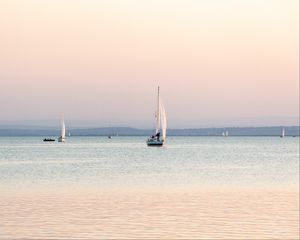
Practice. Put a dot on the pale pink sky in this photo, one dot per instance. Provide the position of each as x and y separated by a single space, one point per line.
214 60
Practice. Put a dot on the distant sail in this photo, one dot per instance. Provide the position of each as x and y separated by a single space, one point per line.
283 133
63 130
62 137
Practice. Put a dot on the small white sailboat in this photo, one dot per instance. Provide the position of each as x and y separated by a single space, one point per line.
282 133
159 138
62 137
226 134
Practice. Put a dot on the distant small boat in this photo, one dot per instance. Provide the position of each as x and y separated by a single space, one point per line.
49 140
282 133
161 125
225 134
109 136
62 137
69 134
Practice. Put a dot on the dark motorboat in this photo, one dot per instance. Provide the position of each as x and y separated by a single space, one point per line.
49 140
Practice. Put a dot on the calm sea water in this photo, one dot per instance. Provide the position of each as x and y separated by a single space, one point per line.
127 161
194 187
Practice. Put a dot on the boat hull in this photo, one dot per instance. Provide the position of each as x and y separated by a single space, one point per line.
155 143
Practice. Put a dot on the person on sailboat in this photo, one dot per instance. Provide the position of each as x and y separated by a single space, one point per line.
157 136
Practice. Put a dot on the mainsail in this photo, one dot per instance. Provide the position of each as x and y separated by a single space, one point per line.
161 118
63 129
62 137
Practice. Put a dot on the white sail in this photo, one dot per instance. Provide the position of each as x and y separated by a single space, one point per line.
163 118
63 129
283 133
157 114
62 137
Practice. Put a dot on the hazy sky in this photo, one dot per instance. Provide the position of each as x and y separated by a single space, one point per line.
217 62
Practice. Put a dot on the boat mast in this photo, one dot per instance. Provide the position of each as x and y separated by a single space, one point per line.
157 113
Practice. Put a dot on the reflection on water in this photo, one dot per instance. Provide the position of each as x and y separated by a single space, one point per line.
195 187
151 214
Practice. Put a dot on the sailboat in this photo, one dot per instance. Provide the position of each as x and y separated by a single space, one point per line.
159 138
62 137
283 133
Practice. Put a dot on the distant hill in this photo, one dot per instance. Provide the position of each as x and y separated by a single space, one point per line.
126 131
